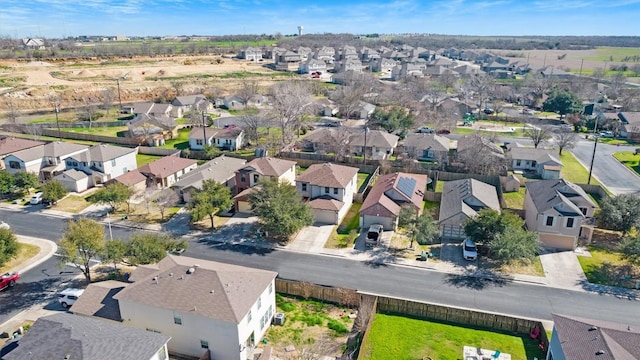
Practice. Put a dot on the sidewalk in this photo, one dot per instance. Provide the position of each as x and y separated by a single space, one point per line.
47 249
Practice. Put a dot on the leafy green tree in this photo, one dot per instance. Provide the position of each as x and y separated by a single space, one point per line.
113 195
490 223
6 182
211 151
53 190
82 242
115 252
514 243
149 248
8 246
209 201
421 228
24 181
280 209
630 248
620 212
395 119
563 102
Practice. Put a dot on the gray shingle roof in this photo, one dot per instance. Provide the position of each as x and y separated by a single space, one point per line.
556 194
268 166
219 169
75 174
582 338
103 152
84 338
425 141
214 290
97 300
375 138
468 196
538 155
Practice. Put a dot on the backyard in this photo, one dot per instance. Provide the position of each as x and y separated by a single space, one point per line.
395 337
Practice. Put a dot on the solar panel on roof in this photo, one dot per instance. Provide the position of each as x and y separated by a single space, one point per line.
406 186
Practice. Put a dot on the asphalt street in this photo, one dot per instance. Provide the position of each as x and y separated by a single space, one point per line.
501 295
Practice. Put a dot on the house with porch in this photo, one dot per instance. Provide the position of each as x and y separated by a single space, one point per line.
542 162
166 171
329 190
379 144
208 308
560 212
387 197
229 138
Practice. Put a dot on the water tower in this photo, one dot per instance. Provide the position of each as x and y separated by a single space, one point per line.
300 28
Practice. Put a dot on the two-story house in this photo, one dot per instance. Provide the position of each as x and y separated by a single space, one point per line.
429 147
102 163
374 144
312 65
207 308
221 170
230 138
329 189
9 145
167 170
46 160
560 212
542 162
387 197
264 168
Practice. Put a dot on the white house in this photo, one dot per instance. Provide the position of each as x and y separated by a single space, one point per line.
205 306
329 188
103 162
46 160
230 138
541 161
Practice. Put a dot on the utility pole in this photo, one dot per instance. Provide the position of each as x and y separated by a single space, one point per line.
119 98
581 63
57 110
204 132
364 148
593 156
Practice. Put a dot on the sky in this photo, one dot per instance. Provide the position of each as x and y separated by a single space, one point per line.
62 18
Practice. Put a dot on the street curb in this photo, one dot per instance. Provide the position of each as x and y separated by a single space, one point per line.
620 162
40 259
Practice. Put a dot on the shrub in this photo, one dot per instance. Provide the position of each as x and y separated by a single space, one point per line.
337 326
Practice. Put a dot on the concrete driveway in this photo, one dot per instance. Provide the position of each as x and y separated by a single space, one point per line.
311 239
562 270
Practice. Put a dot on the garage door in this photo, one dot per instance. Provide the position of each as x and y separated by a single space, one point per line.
244 207
325 216
557 241
368 220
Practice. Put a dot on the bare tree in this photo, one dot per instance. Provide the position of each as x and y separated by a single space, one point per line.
89 109
316 348
34 130
107 96
617 82
478 155
337 141
538 134
251 124
565 139
290 101
178 86
248 89
481 86
348 99
165 199
539 84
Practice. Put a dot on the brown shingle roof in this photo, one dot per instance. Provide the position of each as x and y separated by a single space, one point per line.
214 290
268 166
228 133
131 178
166 166
388 188
329 175
97 300
326 203
9 145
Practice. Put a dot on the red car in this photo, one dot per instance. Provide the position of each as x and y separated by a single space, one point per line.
443 131
8 280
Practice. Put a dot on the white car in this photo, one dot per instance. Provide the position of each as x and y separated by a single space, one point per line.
425 130
68 297
36 199
469 249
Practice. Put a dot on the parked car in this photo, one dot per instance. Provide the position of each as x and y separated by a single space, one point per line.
8 280
488 111
36 199
425 130
527 111
469 249
443 131
374 235
68 297
606 134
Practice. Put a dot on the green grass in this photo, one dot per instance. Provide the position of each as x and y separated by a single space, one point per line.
395 337
248 111
515 200
180 142
100 130
629 159
440 186
433 207
362 177
347 231
573 171
144 159
606 53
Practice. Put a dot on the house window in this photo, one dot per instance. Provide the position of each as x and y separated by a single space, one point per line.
14 164
162 353
199 142
583 211
177 318
255 178
326 190
153 330
84 163
570 222
243 178
113 162
271 288
335 191
549 221
249 317
304 186
518 162
204 344
259 303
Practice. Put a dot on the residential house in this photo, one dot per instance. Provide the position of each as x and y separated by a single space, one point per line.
454 106
542 162
234 103
387 197
67 336
326 107
133 179
9 145
362 110
287 61
46 161
304 53
230 138
251 54
152 129
329 140
267 168
404 70
377 144
347 52
184 104
575 338
495 66
34 44
555 73
629 124
312 65
395 55
348 64
166 171
560 212
329 190
273 52
74 180
478 148
208 308
153 109
437 71
467 70
97 300
462 200
383 65
326 54
103 162
221 170
429 147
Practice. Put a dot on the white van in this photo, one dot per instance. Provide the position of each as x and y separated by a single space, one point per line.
68 297
36 199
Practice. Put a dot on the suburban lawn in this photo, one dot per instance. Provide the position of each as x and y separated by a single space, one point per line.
573 171
515 200
395 337
72 203
151 215
180 142
629 159
99 130
144 159
25 252
605 266
347 232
